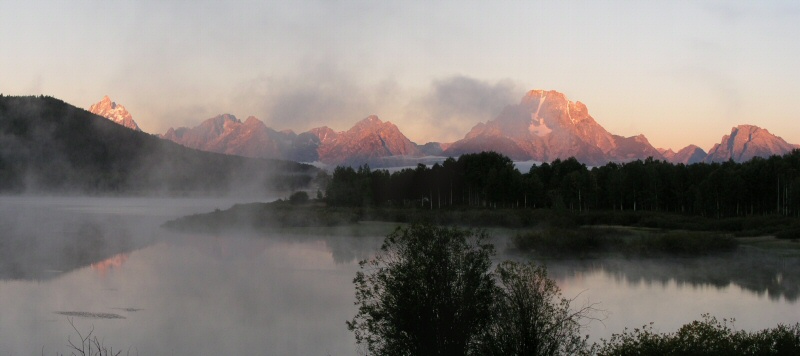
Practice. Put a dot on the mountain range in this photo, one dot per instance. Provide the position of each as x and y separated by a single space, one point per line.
368 141
542 127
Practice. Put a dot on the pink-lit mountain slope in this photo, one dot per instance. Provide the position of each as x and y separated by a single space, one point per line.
546 126
251 138
687 155
745 142
369 140
114 112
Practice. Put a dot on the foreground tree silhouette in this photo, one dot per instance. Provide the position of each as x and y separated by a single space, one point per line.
531 317
427 292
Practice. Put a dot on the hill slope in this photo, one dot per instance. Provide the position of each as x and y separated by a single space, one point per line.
49 145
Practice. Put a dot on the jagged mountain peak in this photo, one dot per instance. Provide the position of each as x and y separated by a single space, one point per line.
114 112
536 94
665 152
368 140
749 132
535 99
746 142
688 155
545 126
372 119
747 127
324 133
369 122
219 124
222 118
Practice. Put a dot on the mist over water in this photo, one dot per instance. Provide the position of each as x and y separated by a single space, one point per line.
107 263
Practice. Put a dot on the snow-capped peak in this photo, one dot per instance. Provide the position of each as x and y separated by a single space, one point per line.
114 112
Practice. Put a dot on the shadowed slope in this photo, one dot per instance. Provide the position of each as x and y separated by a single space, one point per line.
49 145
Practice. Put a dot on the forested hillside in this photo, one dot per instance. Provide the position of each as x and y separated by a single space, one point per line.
47 145
756 187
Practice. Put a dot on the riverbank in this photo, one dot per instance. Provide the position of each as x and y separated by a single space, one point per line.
547 232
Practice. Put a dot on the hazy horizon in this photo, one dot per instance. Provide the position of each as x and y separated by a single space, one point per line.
679 72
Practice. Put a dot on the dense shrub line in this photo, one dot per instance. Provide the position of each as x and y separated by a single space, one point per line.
590 241
707 337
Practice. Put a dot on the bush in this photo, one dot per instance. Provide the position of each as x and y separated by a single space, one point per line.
707 337
428 291
300 197
789 234
531 317
592 241
689 244
571 242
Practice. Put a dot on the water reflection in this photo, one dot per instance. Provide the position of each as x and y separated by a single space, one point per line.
287 292
30 249
757 271
109 264
43 237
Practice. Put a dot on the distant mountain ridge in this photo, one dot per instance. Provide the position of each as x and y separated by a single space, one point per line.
369 140
227 134
543 126
687 155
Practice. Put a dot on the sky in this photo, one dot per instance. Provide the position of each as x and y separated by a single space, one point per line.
679 72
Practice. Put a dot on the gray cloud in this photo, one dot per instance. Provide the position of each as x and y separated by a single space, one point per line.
461 96
457 103
318 95
324 94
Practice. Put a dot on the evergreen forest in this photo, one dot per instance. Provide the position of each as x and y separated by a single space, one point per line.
761 186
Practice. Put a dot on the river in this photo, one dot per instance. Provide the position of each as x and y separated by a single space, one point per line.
106 264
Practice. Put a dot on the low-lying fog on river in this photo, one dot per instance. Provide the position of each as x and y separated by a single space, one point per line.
106 263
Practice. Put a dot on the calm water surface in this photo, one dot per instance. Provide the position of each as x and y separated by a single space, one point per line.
282 293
